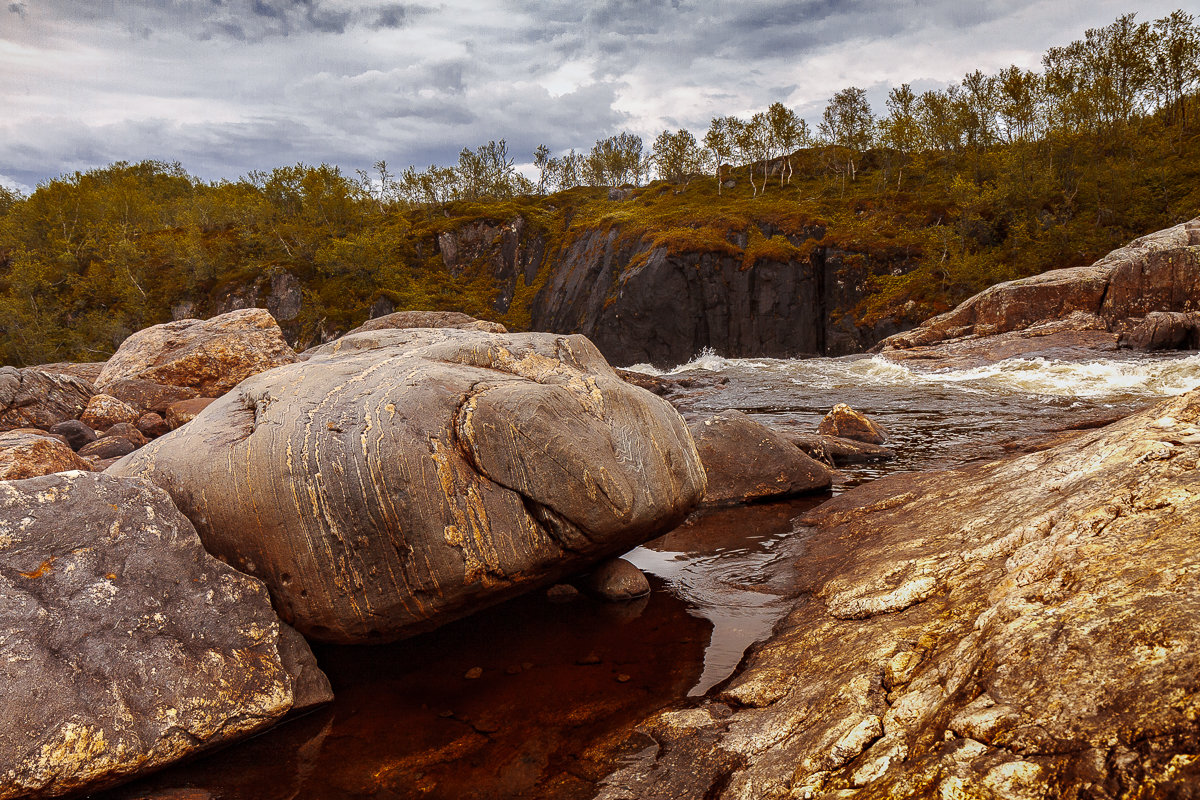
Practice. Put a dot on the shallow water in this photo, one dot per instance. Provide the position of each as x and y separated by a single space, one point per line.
558 680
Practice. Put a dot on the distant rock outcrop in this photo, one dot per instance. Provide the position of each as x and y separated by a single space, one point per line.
211 356
407 477
123 645
1119 299
1028 628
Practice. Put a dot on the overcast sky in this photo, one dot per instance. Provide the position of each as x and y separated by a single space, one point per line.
228 86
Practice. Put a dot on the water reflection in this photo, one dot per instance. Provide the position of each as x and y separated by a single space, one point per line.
409 722
734 568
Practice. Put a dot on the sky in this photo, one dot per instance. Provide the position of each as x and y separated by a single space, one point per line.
229 86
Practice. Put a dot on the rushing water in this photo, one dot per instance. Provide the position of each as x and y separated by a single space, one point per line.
523 699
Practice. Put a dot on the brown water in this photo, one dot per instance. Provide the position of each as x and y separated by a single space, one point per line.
559 681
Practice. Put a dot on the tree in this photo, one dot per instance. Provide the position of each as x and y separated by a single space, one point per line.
899 130
677 157
788 133
542 160
848 124
1018 97
615 161
1176 62
721 141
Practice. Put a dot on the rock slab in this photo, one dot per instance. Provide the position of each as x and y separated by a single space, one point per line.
1028 628
123 645
401 478
211 356
31 398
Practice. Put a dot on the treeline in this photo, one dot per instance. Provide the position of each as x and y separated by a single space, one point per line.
947 192
1101 85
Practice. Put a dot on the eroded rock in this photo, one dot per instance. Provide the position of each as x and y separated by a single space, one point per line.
31 398
123 645
1025 628
411 476
27 455
211 356
429 319
617 580
745 460
836 451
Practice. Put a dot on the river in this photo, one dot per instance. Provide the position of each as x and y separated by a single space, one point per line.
533 698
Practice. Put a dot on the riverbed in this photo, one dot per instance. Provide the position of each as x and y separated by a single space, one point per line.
521 700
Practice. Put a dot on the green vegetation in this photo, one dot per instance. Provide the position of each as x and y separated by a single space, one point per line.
949 192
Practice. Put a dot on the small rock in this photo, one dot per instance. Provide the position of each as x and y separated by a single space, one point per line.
152 425
588 660
562 593
126 431
76 433
108 447
622 678
836 451
185 411
617 580
103 411
474 673
843 421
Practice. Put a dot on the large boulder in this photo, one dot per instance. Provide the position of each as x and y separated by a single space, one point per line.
1075 307
24 454
1028 628
123 645
211 356
148 396
31 398
746 460
402 478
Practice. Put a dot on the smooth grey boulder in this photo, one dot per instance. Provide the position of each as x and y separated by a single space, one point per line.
403 478
124 646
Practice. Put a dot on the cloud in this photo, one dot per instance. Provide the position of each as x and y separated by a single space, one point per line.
227 86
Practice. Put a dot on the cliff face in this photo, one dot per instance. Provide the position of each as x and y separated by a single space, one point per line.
642 302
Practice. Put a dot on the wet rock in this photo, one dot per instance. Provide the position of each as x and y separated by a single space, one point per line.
1077 307
836 451
746 460
562 593
27 455
211 356
1024 628
126 431
147 396
185 411
103 411
846 423
30 398
1164 330
617 580
152 425
414 476
75 432
123 645
108 447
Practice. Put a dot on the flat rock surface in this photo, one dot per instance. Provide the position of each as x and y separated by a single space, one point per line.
408 477
123 645
211 356
1027 628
